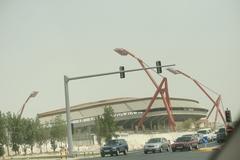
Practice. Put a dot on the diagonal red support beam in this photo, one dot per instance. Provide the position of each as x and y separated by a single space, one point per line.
162 89
217 104
165 98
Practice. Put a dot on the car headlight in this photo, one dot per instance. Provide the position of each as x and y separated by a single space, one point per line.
114 148
156 146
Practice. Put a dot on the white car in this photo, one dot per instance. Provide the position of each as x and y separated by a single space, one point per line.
156 144
207 133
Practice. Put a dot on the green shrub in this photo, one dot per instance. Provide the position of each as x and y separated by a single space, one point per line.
1 150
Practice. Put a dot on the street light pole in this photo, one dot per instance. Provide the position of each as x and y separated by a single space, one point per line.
163 91
32 95
68 117
216 104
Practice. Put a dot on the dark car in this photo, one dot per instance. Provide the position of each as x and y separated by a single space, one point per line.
185 143
221 135
198 136
114 147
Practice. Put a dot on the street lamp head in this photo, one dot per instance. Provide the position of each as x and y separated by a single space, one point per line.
34 94
121 51
174 71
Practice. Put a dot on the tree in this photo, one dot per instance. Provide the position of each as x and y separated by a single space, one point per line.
3 136
15 131
29 133
110 126
99 129
1 150
105 125
57 132
187 124
42 134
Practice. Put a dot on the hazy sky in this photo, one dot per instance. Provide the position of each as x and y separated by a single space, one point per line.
41 41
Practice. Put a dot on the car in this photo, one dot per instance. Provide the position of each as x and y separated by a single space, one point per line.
185 143
221 135
207 134
199 136
114 147
156 144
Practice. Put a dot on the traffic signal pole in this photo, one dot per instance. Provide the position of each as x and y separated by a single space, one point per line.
67 102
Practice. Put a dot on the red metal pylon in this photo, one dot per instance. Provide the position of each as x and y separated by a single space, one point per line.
163 90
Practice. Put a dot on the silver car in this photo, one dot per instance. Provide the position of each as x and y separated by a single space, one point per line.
156 145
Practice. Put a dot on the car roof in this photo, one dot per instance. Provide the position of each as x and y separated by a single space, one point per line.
187 135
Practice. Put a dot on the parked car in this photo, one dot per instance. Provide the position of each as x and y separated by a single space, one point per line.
156 144
114 147
221 135
199 136
185 143
207 133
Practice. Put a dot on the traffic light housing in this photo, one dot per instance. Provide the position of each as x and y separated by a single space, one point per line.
72 127
159 67
122 73
228 116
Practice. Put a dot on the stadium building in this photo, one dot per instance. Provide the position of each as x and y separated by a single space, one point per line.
127 113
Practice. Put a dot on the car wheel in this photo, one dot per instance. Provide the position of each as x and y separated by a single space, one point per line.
197 147
190 148
168 149
102 155
125 152
117 152
160 149
145 152
153 151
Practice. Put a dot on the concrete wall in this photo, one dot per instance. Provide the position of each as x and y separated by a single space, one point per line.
135 141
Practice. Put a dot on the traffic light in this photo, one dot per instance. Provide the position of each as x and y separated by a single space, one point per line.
228 116
72 127
159 67
122 73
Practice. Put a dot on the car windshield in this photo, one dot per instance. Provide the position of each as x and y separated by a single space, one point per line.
203 131
154 140
187 135
221 130
112 142
183 139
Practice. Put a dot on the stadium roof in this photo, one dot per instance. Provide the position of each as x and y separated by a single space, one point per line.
115 101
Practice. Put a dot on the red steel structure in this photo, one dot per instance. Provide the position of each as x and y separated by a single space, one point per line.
216 103
161 89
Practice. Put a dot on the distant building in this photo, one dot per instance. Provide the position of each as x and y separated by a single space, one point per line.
127 113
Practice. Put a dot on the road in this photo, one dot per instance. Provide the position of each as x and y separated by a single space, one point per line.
185 155
139 155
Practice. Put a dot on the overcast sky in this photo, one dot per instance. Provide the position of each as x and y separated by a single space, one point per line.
42 40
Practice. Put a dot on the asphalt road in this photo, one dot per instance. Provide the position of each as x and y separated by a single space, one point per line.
184 155
139 155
